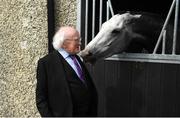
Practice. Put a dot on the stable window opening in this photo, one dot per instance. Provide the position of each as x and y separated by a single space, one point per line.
91 14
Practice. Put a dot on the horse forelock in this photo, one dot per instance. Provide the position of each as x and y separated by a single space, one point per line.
147 24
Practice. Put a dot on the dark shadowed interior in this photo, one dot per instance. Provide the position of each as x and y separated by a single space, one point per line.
155 6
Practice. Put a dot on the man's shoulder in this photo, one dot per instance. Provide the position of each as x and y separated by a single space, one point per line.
49 56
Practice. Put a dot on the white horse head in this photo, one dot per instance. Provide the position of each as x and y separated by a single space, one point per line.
130 33
113 37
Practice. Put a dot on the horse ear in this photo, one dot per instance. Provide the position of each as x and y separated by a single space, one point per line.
137 16
138 36
134 18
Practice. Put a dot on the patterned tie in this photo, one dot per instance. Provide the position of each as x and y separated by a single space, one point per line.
79 70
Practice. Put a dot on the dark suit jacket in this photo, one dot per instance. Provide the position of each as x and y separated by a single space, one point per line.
53 97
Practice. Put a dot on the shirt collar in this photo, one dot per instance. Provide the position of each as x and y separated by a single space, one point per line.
63 53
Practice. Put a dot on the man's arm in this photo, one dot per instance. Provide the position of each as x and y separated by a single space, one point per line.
41 90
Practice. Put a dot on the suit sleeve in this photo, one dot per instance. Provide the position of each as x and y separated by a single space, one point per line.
42 91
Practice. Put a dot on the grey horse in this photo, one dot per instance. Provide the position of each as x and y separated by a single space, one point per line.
126 33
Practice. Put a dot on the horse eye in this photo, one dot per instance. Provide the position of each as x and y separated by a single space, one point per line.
115 31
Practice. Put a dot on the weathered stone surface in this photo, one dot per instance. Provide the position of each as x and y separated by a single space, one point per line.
23 40
65 12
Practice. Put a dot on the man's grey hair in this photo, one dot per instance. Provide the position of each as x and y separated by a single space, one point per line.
58 39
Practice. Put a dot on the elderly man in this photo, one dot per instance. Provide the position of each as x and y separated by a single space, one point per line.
64 85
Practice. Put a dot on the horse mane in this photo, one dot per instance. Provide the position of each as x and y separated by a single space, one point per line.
148 25
150 14
147 22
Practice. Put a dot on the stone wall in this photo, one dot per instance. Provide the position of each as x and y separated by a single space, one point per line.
65 13
23 40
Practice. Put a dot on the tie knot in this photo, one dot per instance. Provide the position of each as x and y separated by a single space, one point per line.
72 56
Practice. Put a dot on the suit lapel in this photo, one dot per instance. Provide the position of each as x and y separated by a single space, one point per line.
68 68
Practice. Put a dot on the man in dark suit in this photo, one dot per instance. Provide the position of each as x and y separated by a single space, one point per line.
64 85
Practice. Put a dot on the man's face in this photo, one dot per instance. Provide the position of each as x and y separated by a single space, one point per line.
72 43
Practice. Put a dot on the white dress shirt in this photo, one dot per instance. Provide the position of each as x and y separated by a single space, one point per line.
67 57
